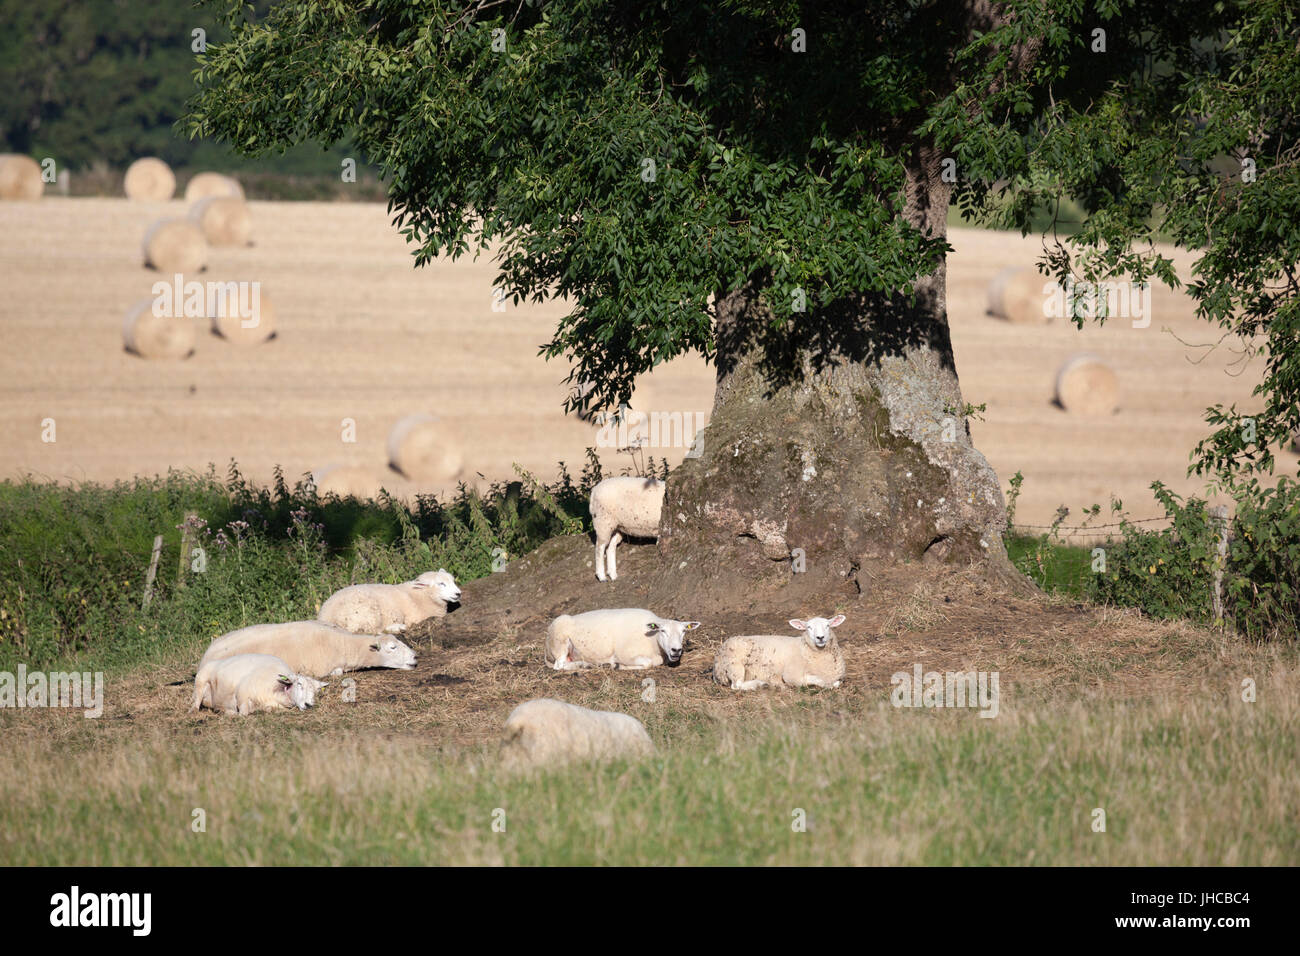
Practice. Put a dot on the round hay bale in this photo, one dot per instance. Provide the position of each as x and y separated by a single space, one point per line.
149 179
157 337
1085 385
244 319
423 448
347 481
1016 294
224 220
204 185
175 245
20 177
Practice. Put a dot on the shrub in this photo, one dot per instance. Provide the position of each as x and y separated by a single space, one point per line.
73 559
1170 572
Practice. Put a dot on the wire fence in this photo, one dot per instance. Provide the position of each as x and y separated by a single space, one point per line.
1071 529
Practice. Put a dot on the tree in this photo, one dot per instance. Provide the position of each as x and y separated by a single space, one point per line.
768 185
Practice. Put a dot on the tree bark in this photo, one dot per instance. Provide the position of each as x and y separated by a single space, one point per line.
840 440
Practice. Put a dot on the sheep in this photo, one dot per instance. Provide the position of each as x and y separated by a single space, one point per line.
247 683
547 731
813 660
623 506
390 608
313 648
629 638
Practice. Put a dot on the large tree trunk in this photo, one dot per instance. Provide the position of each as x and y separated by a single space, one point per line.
838 442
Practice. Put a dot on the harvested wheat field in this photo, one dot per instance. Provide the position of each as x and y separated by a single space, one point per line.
361 335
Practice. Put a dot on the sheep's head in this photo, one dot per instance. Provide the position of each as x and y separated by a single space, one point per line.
817 630
390 652
441 583
300 689
670 635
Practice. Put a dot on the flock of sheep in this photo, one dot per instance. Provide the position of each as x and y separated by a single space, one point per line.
281 666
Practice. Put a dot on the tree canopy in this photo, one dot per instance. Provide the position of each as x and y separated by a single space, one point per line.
645 159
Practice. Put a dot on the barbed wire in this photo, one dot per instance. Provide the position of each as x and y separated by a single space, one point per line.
1084 527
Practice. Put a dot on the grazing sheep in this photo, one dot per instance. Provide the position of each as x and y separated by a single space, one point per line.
313 648
247 683
629 638
547 731
623 506
813 660
390 608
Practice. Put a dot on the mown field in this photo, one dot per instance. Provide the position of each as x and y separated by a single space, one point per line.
1101 708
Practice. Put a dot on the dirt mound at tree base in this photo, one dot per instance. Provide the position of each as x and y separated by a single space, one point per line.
516 605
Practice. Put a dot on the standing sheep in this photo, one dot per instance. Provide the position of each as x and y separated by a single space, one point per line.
547 731
629 638
313 648
813 660
623 506
390 608
247 683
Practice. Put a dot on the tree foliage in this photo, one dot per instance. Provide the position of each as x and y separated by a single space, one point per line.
105 81
641 158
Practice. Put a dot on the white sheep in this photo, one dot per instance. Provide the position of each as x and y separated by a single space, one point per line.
810 660
313 648
629 638
247 683
390 608
548 731
623 506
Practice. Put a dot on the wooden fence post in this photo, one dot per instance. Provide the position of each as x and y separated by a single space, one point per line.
153 570
1219 514
187 542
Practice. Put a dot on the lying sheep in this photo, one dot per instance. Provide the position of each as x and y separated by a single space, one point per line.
549 731
813 660
629 638
623 506
247 683
390 608
313 648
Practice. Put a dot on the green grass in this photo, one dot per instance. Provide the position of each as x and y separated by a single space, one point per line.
73 560
1051 565
1198 785
1186 772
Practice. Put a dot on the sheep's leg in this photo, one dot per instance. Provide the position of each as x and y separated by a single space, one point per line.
601 544
394 629
613 556
336 672
748 684
639 664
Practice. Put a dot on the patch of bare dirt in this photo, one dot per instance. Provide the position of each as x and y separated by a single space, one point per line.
486 657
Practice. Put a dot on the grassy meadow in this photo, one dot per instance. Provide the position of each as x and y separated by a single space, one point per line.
1113 710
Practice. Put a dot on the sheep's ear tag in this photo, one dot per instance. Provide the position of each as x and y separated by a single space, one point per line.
652 626
692 625
284 680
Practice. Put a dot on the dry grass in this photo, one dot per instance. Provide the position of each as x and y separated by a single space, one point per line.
1099 709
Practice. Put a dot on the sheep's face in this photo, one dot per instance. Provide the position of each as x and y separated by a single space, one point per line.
670 635
300 689
817 630
393 653
441 583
